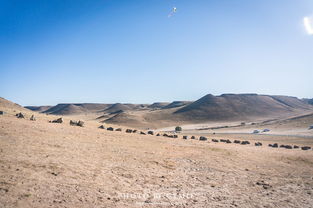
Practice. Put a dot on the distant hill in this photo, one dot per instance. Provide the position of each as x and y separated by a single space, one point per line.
309 101
210 108
78 108
242 106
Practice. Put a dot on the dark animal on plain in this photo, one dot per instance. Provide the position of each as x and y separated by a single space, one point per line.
118 129
129 131
288 146
193 137
214 140
150 132
110 129
275 145
245 142
305 148
237 142
32 118
158 134
202 138
77 123
20 115
185 137
258 144
295 147
143 133
165 135
101 127
59 120
134 131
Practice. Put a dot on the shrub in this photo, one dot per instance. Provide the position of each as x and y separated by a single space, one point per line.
178 128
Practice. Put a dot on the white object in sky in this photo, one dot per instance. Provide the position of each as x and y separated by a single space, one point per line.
308 24
172 12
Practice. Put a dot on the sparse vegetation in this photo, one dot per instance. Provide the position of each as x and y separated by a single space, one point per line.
178 128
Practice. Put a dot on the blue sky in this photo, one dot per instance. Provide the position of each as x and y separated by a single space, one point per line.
54 51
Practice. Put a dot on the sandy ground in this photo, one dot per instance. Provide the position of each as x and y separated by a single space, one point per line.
57 165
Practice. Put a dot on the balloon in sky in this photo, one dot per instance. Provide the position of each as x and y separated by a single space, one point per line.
172 12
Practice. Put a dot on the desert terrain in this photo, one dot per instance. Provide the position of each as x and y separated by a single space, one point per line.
58 165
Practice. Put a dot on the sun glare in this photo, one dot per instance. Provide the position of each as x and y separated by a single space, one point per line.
308 25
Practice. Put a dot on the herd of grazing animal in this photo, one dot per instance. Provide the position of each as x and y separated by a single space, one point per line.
201 138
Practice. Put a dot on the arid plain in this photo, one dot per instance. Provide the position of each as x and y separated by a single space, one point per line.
58 165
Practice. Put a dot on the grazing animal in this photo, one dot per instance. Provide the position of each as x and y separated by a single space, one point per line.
118 129
202 138
237 141
129 131
193 137
258 144
214 140
135 130
77 123
150 132
305 148
275 145
59 120
32 118
143 133
228 141
110 129
158 134
288 146
80 123
101 127
185 137
245 142
20 115
295 147
1 113
175 136
270 145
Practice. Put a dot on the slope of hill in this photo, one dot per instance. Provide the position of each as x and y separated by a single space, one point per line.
66 109
75 108
38 108
6 105
309 101
158 105
118 107
176 104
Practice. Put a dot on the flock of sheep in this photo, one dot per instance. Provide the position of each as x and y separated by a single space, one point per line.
201 138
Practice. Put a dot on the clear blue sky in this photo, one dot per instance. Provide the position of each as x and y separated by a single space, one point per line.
54 51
